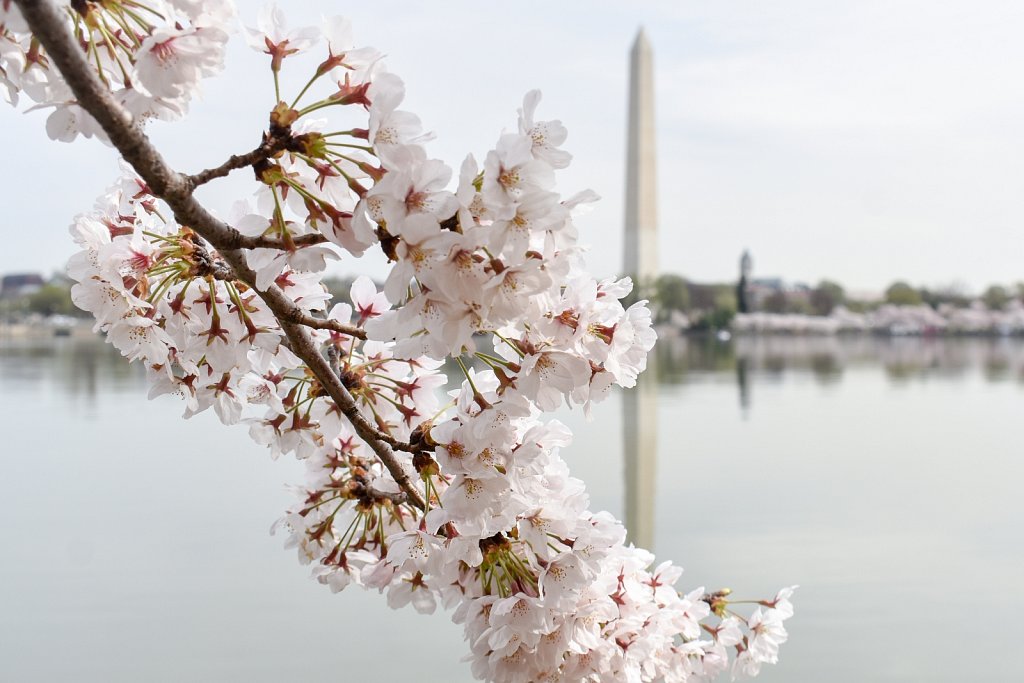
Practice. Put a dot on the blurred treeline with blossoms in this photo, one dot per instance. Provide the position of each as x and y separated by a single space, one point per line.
713 305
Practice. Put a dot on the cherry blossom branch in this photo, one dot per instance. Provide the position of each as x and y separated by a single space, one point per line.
529 570
236 240
241 241
271 145
399 498
48 27
303 318
222 271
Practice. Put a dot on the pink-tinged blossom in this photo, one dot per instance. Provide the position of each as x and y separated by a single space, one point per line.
171 62
139 337
548 376
510 171
205 12
414 550
366 300
153 73
145 108
411 589
273 37
394 134
12 64
422 247
68 121
419 188
344 57
536 214
546 136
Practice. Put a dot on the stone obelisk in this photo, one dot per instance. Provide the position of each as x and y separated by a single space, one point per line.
639 404
641 248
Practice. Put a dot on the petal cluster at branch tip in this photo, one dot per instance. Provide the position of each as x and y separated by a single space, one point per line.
153 56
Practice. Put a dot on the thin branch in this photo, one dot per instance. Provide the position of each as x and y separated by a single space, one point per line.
399 445
270 146
303 318
265 242
48 26
399 498
222 271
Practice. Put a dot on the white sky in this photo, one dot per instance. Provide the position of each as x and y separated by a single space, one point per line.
860 141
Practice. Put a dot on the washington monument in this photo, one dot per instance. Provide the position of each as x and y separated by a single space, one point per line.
641 248
640 404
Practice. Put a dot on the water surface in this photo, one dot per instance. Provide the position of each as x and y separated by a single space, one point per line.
883 476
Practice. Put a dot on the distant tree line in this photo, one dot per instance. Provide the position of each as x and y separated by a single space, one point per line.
53 298
995 297
712 306
706 306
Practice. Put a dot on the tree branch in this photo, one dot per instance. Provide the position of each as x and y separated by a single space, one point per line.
49 28
264 242
270 146
304 318
222 271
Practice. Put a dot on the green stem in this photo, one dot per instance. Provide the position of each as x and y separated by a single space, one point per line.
448 406
305 88
120 17
317 105
465 371
492 361
511 345
143 6
363 148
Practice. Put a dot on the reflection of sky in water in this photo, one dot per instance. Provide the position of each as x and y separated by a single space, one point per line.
881 475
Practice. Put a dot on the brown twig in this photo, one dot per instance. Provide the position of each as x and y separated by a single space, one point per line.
266 242
220 270
399 498
304 318
270 146
49 28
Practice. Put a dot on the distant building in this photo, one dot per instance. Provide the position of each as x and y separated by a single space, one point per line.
759 290
20 284
766 293
742 288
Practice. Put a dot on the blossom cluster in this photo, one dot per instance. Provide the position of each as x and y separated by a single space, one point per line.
152 54
486 283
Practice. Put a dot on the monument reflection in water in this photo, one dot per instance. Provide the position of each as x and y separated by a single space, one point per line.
755 360
640 455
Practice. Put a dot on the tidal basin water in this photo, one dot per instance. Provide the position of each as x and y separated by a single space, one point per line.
883 476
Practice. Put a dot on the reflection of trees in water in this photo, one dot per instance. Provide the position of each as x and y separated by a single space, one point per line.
84 367
75 367
826 368
677 357
996 359
827 357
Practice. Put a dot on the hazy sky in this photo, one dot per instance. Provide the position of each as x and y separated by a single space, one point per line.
860 141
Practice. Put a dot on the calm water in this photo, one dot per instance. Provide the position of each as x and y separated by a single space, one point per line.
884 477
